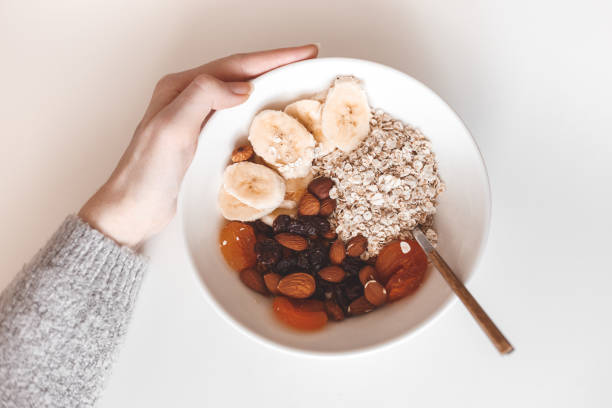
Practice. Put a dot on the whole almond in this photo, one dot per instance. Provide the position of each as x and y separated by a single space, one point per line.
297 285
271 280
360 306
242 153
332 273
309 205
356 245
329 235
367 273
337 252
333 310
328 205
375 293
320 187
291 241
252 279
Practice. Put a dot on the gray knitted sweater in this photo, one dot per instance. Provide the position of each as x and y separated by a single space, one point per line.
63 316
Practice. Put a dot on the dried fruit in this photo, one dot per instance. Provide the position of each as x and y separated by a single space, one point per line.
237 242
356 245
263 228
333 274
297 285
281 224
307 314
317 257
242 153
301 228
337 252
268 251
352 287
367 273
291 241
375 293
333 310
320 187
360 306
271 281
405 281
252 279
327 206
391 258
330 235
309 205
352 265
320 224
285 266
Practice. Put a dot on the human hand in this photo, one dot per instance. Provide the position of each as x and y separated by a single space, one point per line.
139 198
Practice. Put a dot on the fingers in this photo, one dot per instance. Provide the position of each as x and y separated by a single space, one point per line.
240 67
205 93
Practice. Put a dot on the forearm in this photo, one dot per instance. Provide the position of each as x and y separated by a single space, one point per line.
63 316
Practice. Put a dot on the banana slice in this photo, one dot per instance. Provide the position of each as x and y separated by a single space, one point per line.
254 185
283 142
345 118
235 210
308 113
297 187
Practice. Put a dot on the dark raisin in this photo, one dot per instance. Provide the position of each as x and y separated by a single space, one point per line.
268 251
324 289
302 260
262 268
340 297
320 224
285 266
352 287
352 265
301 228
281 224
317 256
264 228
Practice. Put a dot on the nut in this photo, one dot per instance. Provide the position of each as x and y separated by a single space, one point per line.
320 187
375 293
360 306
328 205
356 245
333 310
337 252
271 280
330 235
297 285
252 279
333 273
367 273
291 241
242 153
309 205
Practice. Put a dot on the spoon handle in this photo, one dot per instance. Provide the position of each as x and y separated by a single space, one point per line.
495 335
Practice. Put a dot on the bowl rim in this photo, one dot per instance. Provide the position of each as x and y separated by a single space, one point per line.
384 344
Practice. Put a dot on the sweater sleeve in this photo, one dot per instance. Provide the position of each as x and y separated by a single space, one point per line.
63 316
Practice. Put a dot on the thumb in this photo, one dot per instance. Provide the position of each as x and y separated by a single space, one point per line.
204 94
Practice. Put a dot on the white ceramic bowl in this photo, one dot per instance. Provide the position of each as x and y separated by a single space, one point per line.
462 220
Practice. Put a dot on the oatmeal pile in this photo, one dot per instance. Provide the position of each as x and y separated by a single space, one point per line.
385 187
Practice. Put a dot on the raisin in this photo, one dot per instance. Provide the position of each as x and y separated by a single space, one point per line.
264 228
268 251
285 266
302 261
320 224
317 256
340 297
352 288
301 228
324 289
281 224
352 265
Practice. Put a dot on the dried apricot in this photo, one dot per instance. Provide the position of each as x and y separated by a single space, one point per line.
406 254
237 242
302 314
405 281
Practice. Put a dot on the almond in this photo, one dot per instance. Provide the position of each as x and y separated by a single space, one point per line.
291 241
297 285
252 279
320 187
333 273
271 280
330 235
333 310
309 205
367 273
356 245
375 293
360 306
337 252
242 153
328 205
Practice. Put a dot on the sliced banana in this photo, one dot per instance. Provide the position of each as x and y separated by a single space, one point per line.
297 187
235 210
269 218
308 113
283 142
254 185
345 117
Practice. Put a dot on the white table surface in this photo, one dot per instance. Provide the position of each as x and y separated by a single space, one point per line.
532 80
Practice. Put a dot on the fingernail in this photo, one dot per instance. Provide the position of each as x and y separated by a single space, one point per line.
318 45
241 88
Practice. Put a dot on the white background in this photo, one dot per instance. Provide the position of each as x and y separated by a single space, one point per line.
531 79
